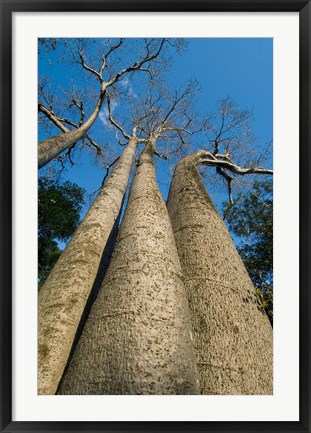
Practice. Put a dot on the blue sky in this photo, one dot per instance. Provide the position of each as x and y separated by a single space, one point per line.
239 68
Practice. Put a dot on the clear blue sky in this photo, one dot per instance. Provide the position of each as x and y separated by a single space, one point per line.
239 68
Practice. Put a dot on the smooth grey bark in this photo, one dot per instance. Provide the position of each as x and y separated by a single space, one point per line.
233 339
51 147
63 296
137 339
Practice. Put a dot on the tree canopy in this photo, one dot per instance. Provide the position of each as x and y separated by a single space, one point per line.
59 207
250 219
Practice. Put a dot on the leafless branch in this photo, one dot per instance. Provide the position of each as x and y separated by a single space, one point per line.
114 123
88 68
222 161
108 167
94 144
58 122
52 117
229 128
228 180
46 96
160 155
223 165
137 65
105 56
79 105
61 158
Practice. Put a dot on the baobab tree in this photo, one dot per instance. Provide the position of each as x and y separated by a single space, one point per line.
63 296
232 335
228 139
137 338
107 77
141 336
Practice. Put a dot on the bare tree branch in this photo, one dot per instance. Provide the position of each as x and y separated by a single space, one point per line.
88 68
79 105
114 123
52 117
223 164
58 122
228 180
137 65
160 155
108 167
207 158
105 56
50 148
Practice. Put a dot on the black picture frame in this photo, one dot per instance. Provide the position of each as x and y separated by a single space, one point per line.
8 7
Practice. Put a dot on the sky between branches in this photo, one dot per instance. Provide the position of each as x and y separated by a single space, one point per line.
239 68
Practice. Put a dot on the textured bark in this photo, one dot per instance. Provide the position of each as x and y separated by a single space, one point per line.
233 338
102 269
64 294
51 147
137 339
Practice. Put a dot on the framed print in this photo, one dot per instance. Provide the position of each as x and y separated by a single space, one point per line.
125 304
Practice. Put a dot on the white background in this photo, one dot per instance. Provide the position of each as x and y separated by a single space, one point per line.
284 404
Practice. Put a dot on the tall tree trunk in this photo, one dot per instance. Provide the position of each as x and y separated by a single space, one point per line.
51 147
102 269
63 296
233 338
137 339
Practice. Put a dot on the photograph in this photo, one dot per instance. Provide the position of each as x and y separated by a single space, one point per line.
155 216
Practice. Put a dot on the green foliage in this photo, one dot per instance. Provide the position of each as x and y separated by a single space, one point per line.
59 207
250 218
48 253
